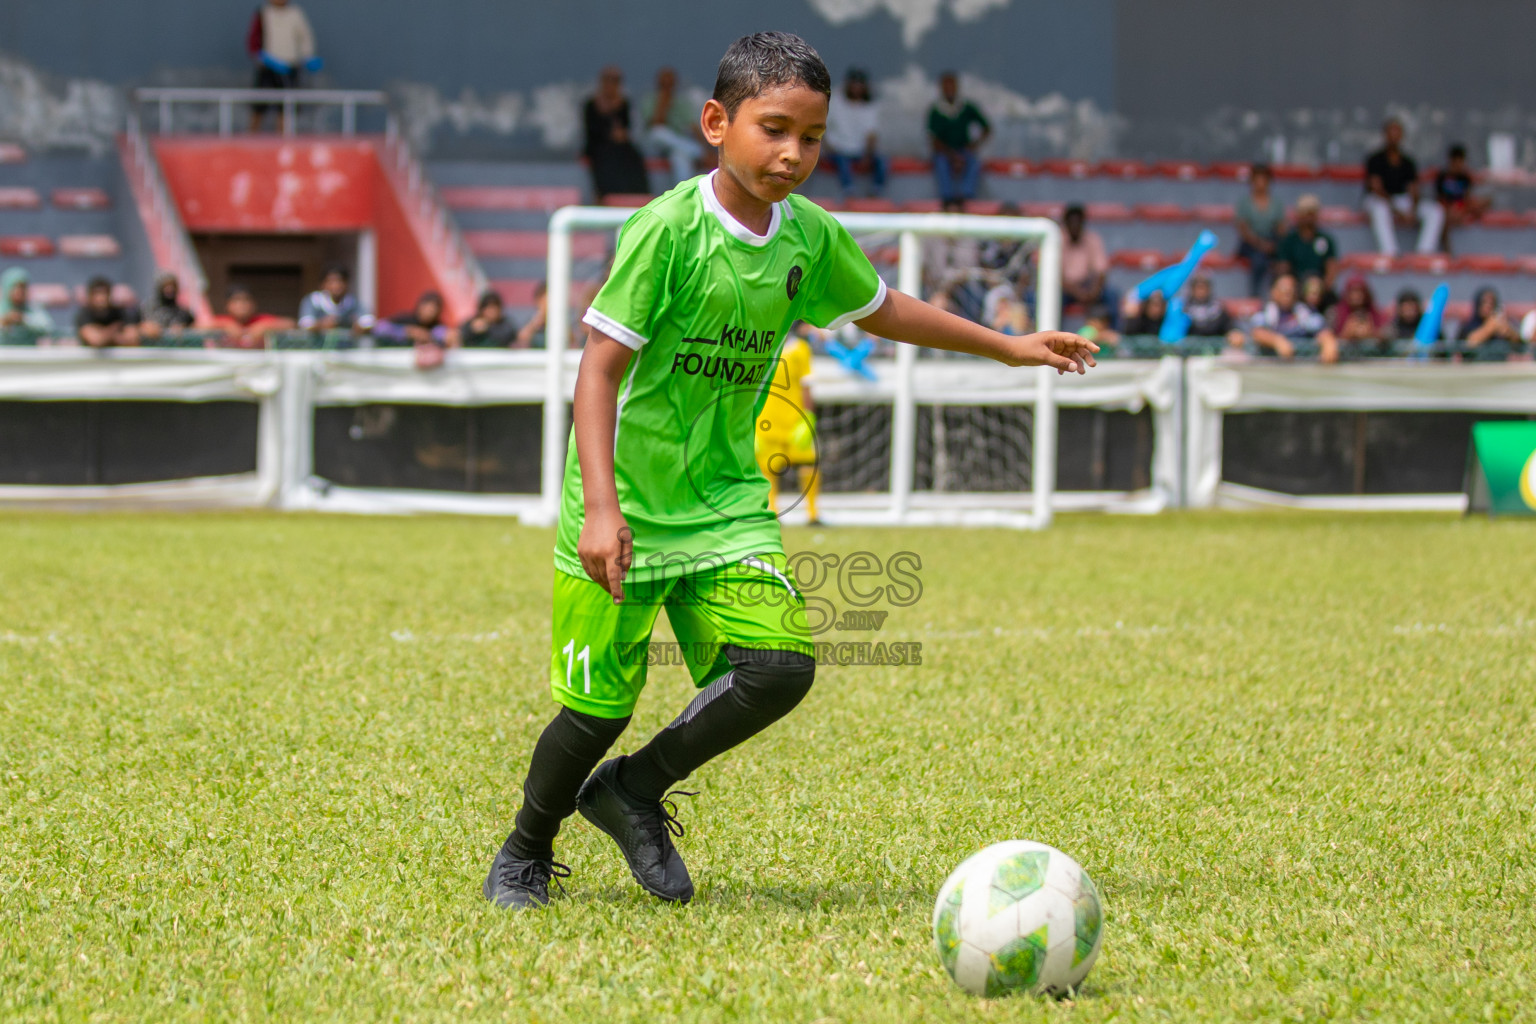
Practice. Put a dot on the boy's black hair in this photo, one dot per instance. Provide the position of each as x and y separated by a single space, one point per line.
340 271
763 60
1260 167
1074 210
1456 152
97 283
238 289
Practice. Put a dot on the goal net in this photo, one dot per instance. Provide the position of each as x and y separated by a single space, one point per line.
902 435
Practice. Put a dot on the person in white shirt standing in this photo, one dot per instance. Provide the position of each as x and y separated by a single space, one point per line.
853 129
280 43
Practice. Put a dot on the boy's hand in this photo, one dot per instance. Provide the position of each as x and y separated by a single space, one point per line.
606 548
1068 353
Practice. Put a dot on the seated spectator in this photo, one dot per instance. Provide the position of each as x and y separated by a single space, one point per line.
1208 316
1392 195
616 165
421 327
1099 326
1260 226
1145 317
490 327
333 307
955 281
1286 319
22 321
672 126
1453 190
1307 250
280 42
1487 324
1084 261
1009 314
1317 295
956 130
1406 314
164 314
852 138
532 333
1356 320
101 323
242 325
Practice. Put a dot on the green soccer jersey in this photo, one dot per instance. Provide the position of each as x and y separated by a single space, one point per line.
705 304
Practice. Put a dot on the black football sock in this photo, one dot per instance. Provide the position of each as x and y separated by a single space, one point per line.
567 751
761 688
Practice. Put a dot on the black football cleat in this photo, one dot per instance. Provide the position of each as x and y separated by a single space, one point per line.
642 828
518 884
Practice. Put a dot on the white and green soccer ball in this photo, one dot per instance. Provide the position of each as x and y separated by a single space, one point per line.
1018 917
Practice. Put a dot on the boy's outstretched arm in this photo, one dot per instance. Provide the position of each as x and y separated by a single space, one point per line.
605 546
903 318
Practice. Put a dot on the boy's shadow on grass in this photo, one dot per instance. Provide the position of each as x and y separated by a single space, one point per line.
743 897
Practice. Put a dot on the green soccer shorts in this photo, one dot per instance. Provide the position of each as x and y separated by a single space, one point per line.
600 651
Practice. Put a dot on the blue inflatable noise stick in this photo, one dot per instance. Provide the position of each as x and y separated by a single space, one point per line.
1428 331
852 356
1170 279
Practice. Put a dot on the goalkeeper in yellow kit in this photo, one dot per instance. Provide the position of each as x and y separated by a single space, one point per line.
786 430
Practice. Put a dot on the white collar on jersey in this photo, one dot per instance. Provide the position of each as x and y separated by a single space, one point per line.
713 205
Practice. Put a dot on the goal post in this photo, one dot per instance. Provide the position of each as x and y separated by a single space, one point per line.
987 395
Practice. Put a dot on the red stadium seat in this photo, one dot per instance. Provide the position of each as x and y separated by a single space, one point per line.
657 163
1067 168
476 197
25 245
1215 260
1180 170
1294 172
984 207
48 293
533 245
1213 213
16 197
1457 311
10 153
1340 215
628 200
89 246
81 199
1108 211
910 165
1011 168
517 292
1366 262
1049 208
1524 264
827 202
1507 219
1127 169
1140 259
1482 263
1168 213
919 206
1425 263
1344 172
1230 170
871 205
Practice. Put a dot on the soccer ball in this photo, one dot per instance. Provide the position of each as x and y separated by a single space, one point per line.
1018 917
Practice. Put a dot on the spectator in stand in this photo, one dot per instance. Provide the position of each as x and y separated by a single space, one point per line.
102 323
1084 262
532 333
672 126
1009 313
1098 327
853 134
1285 319
1307 250
616 165
280 42
1318 296
1208 316
243 325
956 130
1453 190
1145 317
22 321
1488 325
1356 320
164 314
1406 314
1260 226
1392 195
490 327
421 325
333 307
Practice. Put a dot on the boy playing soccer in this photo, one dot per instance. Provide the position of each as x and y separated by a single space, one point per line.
663 503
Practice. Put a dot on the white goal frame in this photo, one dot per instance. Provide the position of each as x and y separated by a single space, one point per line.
1034 388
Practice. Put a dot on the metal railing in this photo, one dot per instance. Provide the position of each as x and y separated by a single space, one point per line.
224 101
176 247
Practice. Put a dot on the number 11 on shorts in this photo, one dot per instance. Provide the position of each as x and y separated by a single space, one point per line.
571 654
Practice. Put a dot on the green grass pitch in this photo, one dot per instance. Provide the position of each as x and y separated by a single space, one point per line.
254 767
